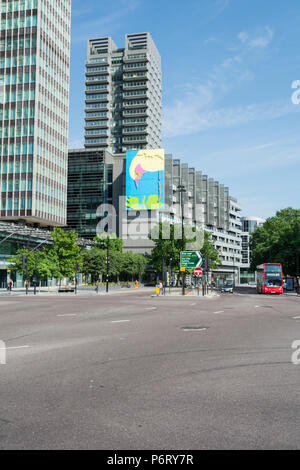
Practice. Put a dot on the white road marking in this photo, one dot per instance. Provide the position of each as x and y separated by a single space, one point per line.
192 305
220 311
120 321
151 308
16 347
194 329
296 318
68 315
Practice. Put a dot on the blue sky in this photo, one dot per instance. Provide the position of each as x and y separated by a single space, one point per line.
228 68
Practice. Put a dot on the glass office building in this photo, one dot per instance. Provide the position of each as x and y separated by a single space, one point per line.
34 101
89 186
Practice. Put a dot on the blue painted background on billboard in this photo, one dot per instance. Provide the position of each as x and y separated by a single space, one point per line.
145 179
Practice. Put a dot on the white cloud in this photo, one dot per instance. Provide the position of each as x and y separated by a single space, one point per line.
243 36
195 110
105 24
261 40
192 116
211 39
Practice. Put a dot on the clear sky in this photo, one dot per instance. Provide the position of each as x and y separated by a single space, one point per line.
228 68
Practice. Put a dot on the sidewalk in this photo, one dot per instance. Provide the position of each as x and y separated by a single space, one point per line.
113 290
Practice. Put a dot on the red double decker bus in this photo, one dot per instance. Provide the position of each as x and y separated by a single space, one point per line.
269 278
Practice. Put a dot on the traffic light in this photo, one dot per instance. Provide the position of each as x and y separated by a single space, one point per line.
206 264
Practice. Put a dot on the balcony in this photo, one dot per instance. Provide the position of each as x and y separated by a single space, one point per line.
134 105
104 79
129 86
140 140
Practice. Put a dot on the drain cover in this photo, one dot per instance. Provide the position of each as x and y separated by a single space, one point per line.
194 328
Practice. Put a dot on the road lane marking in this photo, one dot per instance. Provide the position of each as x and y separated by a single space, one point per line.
151 308
16 347
68 315
120 321
220 311
296 318
194 329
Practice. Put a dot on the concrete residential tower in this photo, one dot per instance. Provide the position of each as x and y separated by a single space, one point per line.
123 94
34 102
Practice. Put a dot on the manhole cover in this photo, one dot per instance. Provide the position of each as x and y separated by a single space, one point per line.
194 328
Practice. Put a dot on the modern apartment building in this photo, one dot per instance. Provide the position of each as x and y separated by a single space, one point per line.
123 94
249 225
97 177
34 102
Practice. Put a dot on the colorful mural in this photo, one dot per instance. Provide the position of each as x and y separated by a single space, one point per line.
145 179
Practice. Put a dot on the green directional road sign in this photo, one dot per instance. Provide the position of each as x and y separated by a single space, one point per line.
190 259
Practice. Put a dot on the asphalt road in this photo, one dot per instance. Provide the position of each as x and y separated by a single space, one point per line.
127 371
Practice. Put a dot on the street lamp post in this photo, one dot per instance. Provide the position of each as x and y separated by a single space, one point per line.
170 274
181 189
76 274
163 274
107 264
233 271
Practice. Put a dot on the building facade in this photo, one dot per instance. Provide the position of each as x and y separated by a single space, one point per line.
249 225
97 202
90 177
34 106
123 94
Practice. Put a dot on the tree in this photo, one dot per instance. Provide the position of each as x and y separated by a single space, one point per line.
277 241
170 247
167 245
40 263
210 251
94 262
133 264
66 251
115 243
16 262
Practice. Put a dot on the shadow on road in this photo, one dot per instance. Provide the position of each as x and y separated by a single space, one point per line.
245 290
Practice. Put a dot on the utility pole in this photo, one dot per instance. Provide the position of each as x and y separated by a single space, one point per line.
181 189
163 274
170 274
107 263
25 266
76 271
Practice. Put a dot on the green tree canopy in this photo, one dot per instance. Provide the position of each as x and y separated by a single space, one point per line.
94 262
276 241
115 243
66 251
210 251
168 244
133 264
40 263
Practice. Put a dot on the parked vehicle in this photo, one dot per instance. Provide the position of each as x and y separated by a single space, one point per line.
227 287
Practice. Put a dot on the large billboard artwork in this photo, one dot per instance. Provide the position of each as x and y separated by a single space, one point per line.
145 179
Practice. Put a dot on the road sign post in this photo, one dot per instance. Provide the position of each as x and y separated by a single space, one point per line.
190 259
198 272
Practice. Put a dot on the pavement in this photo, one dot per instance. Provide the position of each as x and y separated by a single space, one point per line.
141 372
